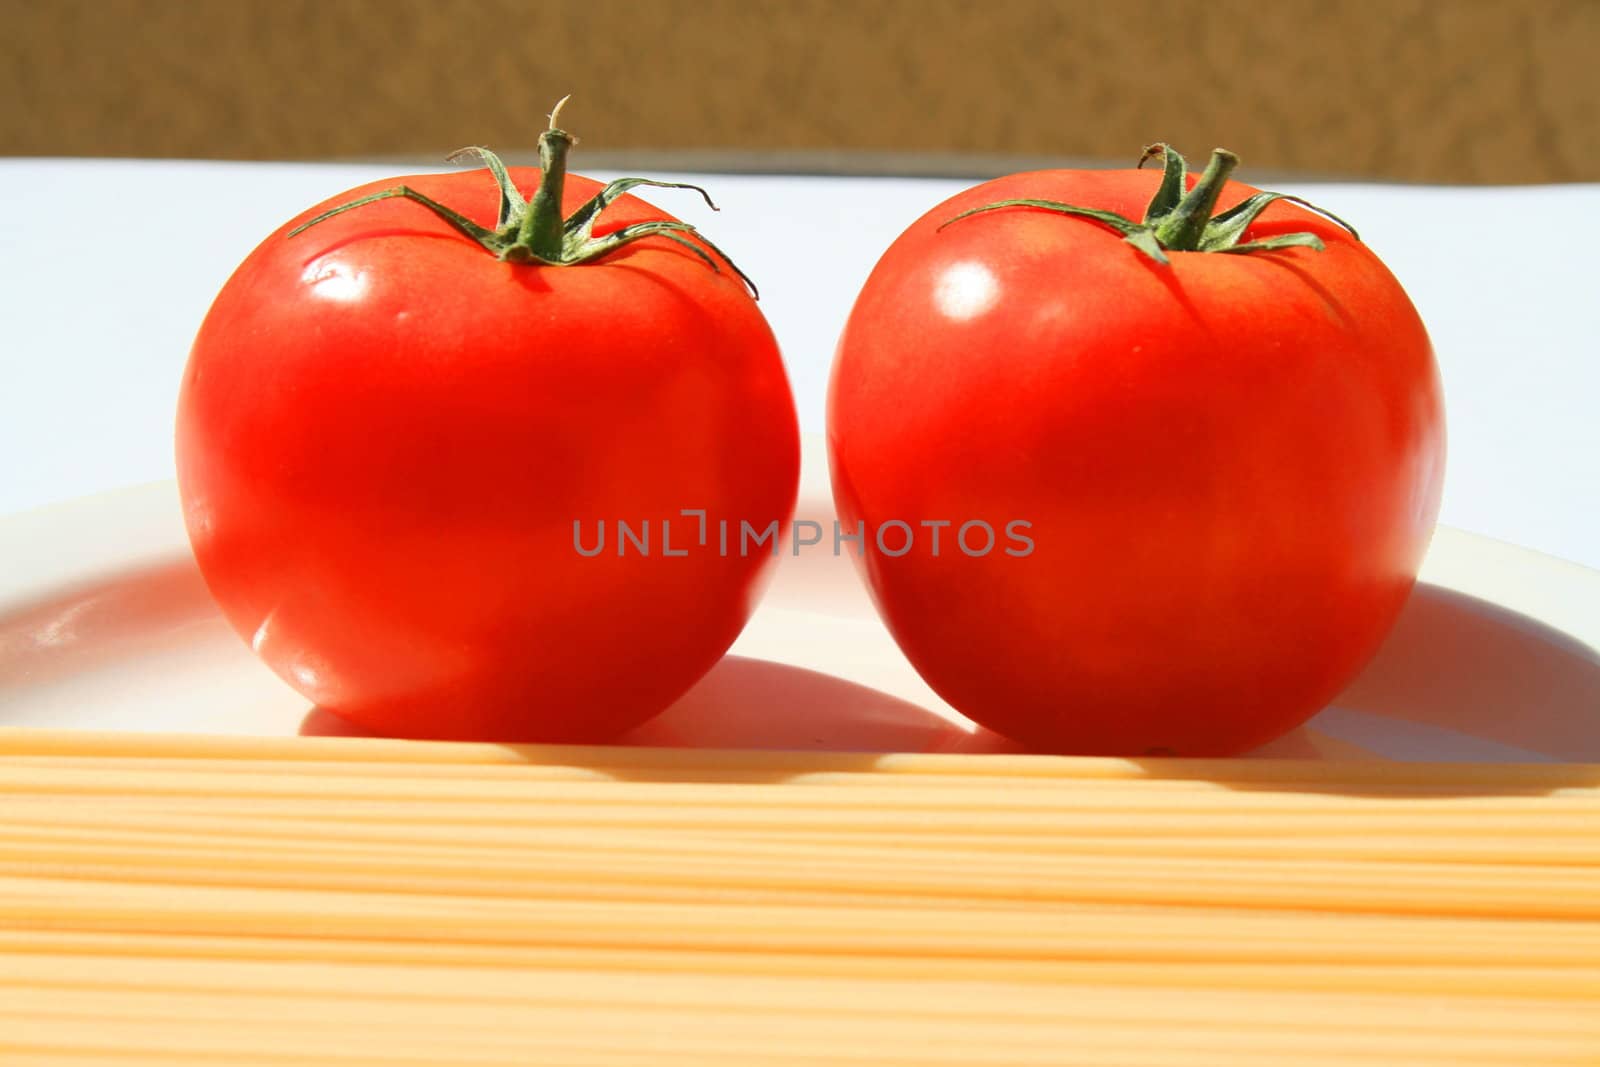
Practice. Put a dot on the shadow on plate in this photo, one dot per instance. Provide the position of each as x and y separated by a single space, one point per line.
758 704
1464 679
1458 679
120 617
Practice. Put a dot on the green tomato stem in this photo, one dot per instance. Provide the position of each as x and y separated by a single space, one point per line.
542 230
535 232
1182 229
1179 221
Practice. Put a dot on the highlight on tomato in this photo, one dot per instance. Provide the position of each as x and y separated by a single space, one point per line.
1225 430
406 402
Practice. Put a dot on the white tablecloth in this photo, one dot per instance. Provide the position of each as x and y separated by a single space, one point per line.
107 267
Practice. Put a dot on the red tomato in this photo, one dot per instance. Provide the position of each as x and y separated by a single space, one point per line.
1230 464
387 433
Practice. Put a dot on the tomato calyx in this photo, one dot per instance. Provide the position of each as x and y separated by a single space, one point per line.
1179 219
533 231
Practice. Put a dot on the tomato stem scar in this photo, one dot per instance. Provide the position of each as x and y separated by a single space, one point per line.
555 112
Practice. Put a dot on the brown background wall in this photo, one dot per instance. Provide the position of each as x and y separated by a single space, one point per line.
1430 90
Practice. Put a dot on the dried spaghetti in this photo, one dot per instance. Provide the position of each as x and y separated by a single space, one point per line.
251 901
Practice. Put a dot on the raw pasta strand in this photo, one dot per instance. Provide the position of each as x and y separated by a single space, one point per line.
1466 848
193 900
744 765
1495 976
1534 892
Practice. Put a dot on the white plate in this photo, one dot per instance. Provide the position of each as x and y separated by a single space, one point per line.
106 624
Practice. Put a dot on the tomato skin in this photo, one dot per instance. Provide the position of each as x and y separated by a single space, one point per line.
1232 466
385 435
